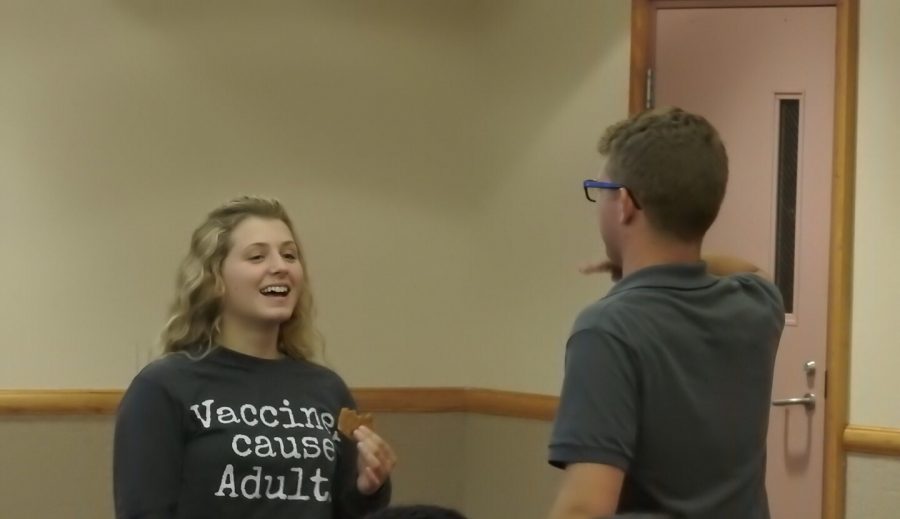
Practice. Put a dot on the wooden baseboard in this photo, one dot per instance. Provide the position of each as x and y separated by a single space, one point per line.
872 440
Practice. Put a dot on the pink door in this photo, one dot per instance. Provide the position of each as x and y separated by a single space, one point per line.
765 78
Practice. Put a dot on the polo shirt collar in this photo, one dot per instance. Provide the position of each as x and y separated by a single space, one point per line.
680 276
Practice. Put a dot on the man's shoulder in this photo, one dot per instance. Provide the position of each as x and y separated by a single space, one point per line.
747 292
752 281
612 313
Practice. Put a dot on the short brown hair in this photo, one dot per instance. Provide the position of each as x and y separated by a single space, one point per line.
674 164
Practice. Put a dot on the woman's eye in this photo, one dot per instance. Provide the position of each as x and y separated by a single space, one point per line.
256 257
290 255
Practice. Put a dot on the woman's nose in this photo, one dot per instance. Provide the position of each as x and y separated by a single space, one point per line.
277 263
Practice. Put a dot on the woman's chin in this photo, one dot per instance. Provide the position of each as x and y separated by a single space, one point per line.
274 318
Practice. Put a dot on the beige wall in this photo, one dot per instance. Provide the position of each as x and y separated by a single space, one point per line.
127 121
876 351
506 471
56 467
430 153
455 460
873 487
561 70
486 466
872 481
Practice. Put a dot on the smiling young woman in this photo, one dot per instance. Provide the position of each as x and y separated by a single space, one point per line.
235 420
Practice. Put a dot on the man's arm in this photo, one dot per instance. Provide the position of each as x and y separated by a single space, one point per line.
719 265
716 264
600 267
595 432
588 491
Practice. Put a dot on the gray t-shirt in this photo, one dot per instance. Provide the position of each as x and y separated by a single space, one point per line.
669 378
235 436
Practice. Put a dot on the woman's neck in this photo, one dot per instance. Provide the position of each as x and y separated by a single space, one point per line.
257 341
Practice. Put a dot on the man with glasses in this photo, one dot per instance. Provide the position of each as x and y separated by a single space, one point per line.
668 379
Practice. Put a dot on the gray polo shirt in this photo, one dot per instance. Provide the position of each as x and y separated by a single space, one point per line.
669 378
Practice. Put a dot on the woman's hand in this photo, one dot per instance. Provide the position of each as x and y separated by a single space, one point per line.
375 460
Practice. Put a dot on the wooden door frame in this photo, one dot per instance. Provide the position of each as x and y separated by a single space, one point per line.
840 269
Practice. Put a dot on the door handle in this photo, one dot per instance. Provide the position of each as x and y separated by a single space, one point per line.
808 400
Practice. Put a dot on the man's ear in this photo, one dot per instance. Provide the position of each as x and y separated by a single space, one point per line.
627 210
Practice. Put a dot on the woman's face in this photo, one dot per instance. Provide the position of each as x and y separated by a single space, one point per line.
262 273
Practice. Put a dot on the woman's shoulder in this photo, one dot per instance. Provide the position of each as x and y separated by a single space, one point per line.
320 371
168 365
324 378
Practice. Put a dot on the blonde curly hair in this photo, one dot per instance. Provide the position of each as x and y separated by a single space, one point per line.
195 314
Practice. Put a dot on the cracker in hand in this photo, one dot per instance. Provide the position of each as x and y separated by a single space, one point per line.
349 420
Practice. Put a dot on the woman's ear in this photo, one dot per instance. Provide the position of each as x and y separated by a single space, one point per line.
219 287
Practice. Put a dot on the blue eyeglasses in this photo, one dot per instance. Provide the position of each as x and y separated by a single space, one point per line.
600 184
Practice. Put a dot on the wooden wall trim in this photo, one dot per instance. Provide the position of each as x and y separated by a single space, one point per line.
77 402
59 402
511 404
872 440
713 4
840 275
411 399
65 402
641 47
69 402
